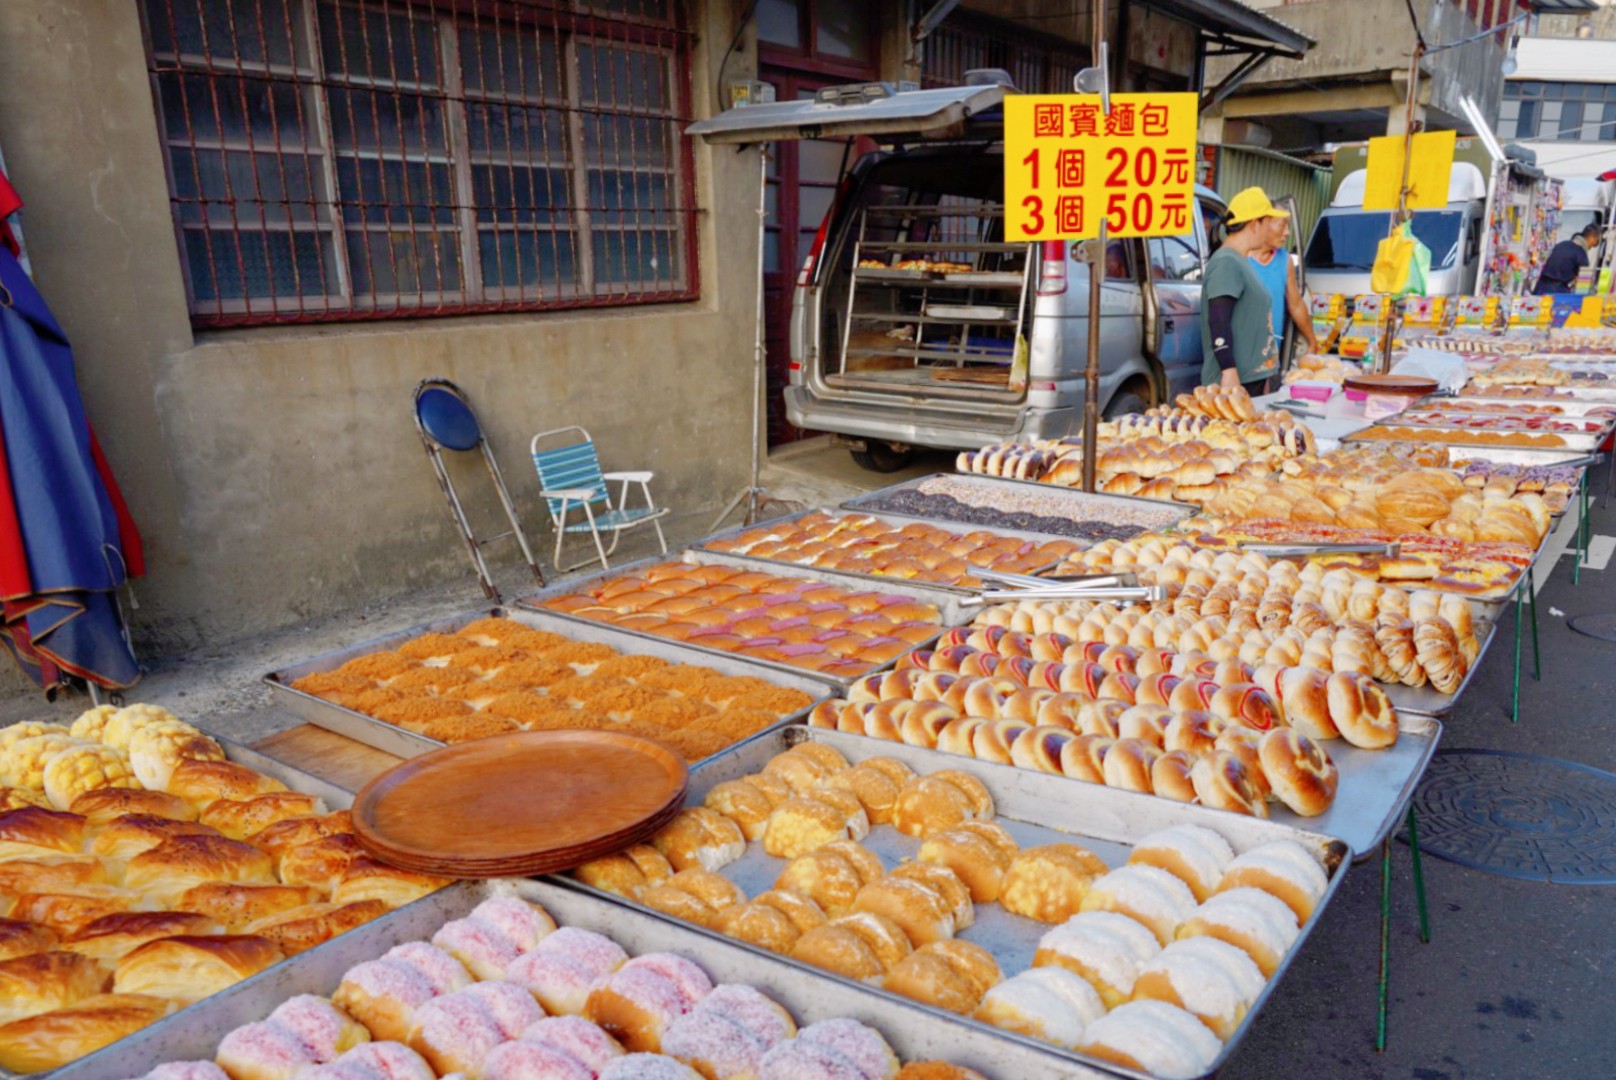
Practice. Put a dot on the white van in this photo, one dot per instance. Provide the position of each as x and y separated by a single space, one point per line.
911 307
1585 202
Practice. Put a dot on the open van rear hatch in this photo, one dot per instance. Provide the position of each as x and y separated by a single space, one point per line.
873 109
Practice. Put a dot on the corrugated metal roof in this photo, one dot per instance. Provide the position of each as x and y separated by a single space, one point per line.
1233 19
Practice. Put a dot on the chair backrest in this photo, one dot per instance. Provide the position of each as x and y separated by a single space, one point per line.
573 465
444 416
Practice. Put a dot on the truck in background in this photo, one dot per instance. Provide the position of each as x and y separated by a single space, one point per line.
1588 202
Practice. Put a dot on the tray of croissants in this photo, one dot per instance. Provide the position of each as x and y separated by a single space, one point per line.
145 866
1103 928
536 980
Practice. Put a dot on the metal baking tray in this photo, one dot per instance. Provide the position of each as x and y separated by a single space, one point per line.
895 520
396 740
1561 395
1036 809
112 1061
1581 443
953 613
1508 455
1571 408
915 1032
1077 500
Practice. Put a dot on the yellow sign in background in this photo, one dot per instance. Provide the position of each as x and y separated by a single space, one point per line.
1068 165
1428 174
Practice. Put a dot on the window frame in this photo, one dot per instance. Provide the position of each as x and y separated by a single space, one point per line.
334 214
807 57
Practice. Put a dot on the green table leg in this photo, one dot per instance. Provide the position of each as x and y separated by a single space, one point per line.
1419 876
1582 530
1531 594
1515 707
1385 943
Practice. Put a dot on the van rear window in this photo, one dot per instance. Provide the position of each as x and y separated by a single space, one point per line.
1349 241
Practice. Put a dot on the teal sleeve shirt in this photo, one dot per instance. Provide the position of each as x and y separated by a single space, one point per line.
1229 273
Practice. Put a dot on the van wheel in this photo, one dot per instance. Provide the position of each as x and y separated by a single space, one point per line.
883 457
1125 402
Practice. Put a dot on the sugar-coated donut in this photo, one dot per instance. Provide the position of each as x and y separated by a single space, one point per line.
391 1060
522 1060
325 1029
648 1067
512 1006
1283 868
1153 1037
482 947
1210 978
454 1033
855 1042
714 1046
444 972
1105 948
1249 919
383 995
1194 854
1046 1003
576 1037
1152 896
561 969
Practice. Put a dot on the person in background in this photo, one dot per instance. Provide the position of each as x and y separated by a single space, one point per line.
1568 258
1277 271
1237 313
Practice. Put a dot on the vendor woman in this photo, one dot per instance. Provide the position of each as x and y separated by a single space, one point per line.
1237 322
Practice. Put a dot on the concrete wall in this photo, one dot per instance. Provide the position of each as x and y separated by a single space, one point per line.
276 473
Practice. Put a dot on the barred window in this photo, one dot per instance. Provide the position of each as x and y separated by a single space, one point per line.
341 159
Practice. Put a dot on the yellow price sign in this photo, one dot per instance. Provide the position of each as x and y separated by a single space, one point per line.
1429 172
1069 165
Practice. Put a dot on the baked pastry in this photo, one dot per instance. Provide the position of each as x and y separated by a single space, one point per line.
700 837
637 1003
41 982
950 975
579 1039
1152 1037
302 928
112 937
188 969
743 803
1249 919
293 832
1147 894
120 728
202 782
758 924
50 1040
978 852
628 872
326 1030
68 909
1284 869
454 1033
182 862
103 805
1048 883
20 877
838 949
366 880
241 819
320 864
70 773
560 970
156 750
831 876
1207 977
1361 711
1105 948
237 906
1301 775
1195 855
18 938
22 762
875 790
1045 1003
124 838
919 909
383 995
1222 782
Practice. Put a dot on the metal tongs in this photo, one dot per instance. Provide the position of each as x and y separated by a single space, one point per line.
1587 461
1145 593
1392 550
1070 583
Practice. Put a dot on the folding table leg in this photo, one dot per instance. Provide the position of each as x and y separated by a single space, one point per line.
1582 530
1531 594
1385 943
1419 876
1515 695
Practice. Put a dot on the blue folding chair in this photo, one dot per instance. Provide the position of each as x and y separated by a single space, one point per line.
570 479
445 421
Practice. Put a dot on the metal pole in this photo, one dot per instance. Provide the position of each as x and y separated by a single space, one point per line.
1385 361
1091 385
750 494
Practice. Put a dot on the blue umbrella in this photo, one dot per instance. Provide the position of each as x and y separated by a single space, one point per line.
66 540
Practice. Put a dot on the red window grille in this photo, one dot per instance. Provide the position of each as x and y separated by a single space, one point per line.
344 159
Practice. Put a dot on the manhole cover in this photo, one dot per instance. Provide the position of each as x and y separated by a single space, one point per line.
1520 815
1601 626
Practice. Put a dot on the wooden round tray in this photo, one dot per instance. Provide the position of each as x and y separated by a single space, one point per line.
534 802
1409 385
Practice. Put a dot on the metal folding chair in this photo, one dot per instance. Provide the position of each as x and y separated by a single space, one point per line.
570 479
446 421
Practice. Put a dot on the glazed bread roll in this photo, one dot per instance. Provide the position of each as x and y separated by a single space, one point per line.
1045 1003
1084 757
1105 948
124 838
1249 919
1300 773
832 876
180 863
1153 1037
806 823
699 837
1223 783
946 884
1362 711
41 982
1146 894
68 909
876 792
104 805
627 873
885 938
762 925
19 877
321 864
241 819
1128 763
924 915
979 861
50 1040
1304 694
1283 868
1210 978
366 879
1048 883
302 928
188 969
1195 855
202 782
743 803
1170 776
838 949
111 938
237 906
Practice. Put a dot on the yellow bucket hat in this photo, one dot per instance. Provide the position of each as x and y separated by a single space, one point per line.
1252 204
